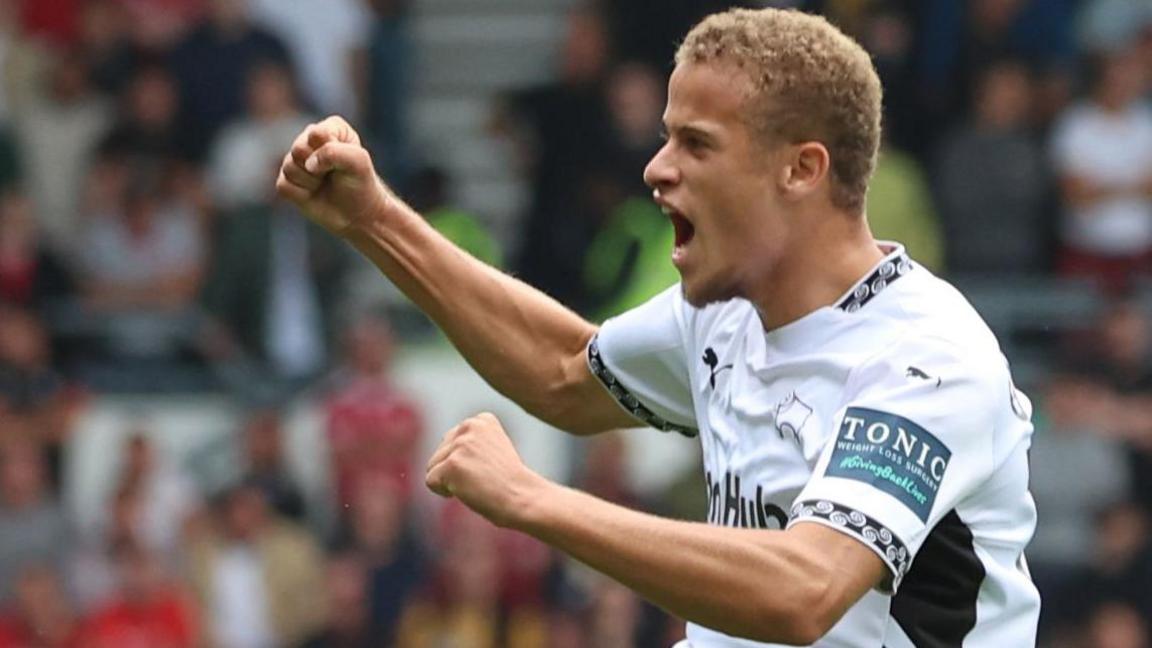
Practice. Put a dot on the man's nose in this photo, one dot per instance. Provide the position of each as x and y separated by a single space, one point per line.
660 171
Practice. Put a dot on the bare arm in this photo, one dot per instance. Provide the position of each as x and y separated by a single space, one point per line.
525 344
777 586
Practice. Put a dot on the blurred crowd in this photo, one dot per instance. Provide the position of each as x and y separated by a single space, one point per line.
142 251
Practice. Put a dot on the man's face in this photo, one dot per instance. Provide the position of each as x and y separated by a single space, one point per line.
714 178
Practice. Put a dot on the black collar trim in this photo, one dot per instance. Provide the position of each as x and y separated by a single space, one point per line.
895 266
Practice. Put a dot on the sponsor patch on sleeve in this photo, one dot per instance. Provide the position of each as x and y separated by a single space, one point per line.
892 454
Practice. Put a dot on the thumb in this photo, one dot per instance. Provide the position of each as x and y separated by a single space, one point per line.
337 156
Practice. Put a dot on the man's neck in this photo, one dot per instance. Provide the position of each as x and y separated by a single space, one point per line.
816 270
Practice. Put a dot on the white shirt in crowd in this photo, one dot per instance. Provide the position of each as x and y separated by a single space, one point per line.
1110 150
323 35
240 616
889 416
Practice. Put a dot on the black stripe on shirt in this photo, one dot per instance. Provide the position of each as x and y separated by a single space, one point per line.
625 397
936 603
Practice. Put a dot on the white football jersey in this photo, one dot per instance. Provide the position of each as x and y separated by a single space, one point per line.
889 416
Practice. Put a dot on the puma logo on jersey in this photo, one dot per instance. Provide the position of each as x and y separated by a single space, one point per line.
711 359
917 372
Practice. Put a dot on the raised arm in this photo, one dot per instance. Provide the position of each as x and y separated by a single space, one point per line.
525 344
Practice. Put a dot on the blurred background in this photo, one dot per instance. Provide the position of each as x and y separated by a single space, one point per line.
214 418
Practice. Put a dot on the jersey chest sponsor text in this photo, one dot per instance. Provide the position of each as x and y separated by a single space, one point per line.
729 506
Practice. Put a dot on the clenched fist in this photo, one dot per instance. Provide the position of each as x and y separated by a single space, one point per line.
477 464
329 175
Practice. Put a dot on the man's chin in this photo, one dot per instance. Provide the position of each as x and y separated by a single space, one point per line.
699 295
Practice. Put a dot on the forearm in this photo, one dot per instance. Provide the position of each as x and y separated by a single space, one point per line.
520 340
757 584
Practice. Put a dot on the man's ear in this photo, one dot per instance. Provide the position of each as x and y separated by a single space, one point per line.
806 168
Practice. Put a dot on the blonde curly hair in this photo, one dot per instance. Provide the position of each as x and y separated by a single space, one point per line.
811 82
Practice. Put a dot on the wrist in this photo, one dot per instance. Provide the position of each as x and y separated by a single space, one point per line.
532 503
377 220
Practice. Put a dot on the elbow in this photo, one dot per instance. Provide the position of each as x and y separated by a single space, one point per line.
806 616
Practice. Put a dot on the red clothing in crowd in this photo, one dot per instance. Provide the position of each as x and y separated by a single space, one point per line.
16 634
374 431
56 20
168 621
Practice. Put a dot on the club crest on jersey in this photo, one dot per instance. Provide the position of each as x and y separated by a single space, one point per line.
892 454
791 415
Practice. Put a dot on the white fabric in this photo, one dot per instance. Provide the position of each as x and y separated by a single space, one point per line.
1109 150
56 143
770 406
323 34
294 337
240 617
246 158
172 246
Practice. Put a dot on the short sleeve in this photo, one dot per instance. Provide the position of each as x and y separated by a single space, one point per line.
640 357
917 435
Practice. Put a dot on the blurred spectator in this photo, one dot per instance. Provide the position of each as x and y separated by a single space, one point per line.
146 256
258 577
56 21
639 33
887 30
959 39
349 624
1070 439
58 121
40 616
146 127
30 273
1106 24
273 290
605 470
627 260
386 545
899 207
92 569
328 40
1118 362
991 176
460 606
104 42
158 25
374 430
149 610
614 615
635 102
1102 149
565 132
386 87
35 530
1115 624
212 65
245 156
429 195
163 494
264 464
1123 559
33 395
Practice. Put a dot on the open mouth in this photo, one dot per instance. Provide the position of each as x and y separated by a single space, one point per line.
685 230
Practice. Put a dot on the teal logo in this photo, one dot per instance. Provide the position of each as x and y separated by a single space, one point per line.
892 454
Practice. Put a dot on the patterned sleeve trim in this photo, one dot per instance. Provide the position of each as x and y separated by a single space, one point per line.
625 397
875 535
